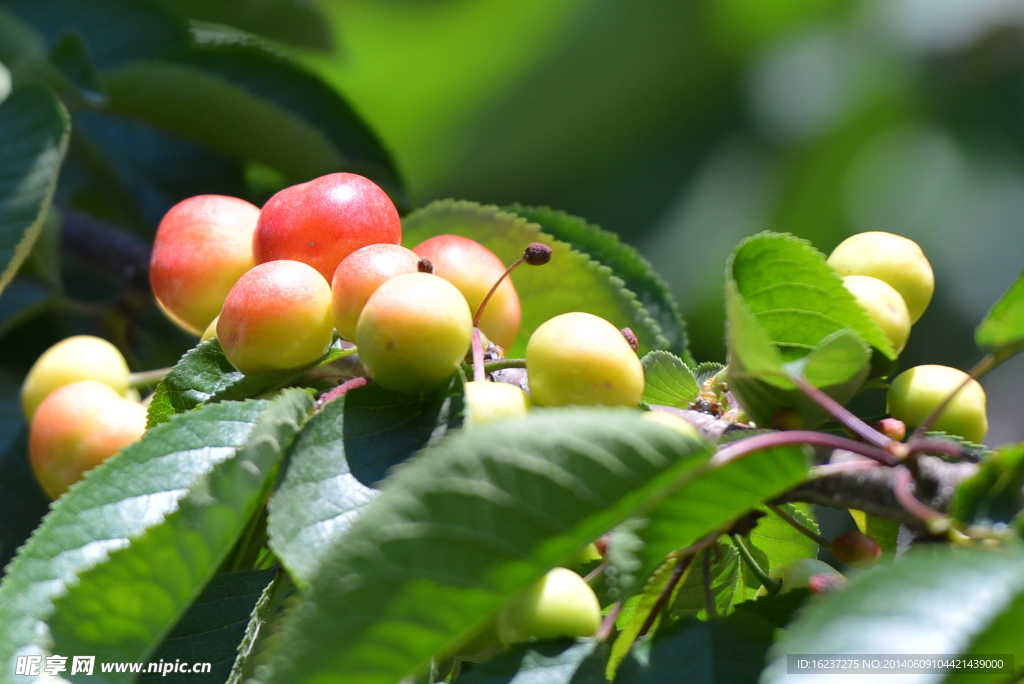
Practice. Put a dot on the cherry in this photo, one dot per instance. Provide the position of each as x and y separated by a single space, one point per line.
474 269
856 549
796 574
77 358
277 316
490 401
211 330
323 221
884 305
561 604
579 358
359 275
916 392
202 247
78 427
413 332
891 258
671 421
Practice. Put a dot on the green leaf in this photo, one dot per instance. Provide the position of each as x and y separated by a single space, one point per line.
570 282
637 274
939 600
995 494
218 629
544 662
116 31
726 651
22 51
789 314
319 498
1002 331
774 542
463 527
668 381
22 501
641 612
251 104
289 21
125 552
706 370
71 56
720 495
885 532
726 584
34 130
204 375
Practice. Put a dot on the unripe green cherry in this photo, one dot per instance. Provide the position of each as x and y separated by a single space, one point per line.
77 358
202 247
918 391
856 549
413 332
671 421
893 259
474 269
561 604
884 305
359 275
579 358
76 428
490 401
276 317
796 573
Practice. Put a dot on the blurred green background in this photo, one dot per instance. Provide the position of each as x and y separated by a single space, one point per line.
685 126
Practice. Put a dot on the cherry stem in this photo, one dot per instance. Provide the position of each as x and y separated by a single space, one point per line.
743 447
984 366
479 375
709 596
901 488
494 288
340 391
666 594
771 584
501 364
608 624
595 572
802 529
147 378
840 413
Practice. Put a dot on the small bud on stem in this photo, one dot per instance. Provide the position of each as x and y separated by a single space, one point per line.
537 254
424 265
631 338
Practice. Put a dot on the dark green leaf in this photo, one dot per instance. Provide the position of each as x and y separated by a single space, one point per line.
289 21
668 381
205 375
319 498
777 610
1002 331
116 31
544 662
464 526
22 299
22 51
706 370
934 600
995 494
726 584
712 501
726 651
638 275
71 55
22 501
641 611
34 131
125 552
570 282
223 620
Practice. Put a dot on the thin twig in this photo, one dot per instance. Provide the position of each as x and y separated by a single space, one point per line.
901 488
478 356
502 364
608 624
771 584
147 378
666 594
494 288
806 531
709 596
742 447
340 391
839 412
595 572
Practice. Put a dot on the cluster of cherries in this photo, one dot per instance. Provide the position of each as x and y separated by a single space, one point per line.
273 285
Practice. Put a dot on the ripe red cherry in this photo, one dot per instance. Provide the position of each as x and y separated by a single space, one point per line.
202 247
359 275
323 221
474 269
